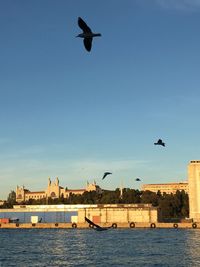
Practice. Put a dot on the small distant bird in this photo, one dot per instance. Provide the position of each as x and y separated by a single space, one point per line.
160 142
137 179
105 174
87 34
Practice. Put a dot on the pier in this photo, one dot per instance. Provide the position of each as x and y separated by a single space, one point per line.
73 217
114 225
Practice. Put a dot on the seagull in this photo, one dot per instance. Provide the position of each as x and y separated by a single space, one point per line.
137 179
105 174
96 226
160 142
87 34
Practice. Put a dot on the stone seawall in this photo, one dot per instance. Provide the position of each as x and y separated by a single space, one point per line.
86 226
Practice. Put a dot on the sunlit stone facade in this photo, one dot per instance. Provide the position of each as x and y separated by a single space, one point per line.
194 189
54 190
168 188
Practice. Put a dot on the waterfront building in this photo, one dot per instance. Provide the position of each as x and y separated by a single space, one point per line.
194 189
168 188
98 213
53 190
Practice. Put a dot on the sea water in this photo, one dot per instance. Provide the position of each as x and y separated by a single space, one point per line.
87 247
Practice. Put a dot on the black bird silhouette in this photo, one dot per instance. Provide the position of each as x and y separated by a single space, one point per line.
160 142
105 174
96 226
137 179
87 34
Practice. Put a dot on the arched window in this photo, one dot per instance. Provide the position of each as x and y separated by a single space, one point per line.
53 195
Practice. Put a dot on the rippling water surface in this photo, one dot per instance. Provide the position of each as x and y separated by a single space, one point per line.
87 247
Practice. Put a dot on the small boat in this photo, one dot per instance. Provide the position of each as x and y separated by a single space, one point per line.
14 220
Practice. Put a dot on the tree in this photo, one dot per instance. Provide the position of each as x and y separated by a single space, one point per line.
150 197
11 199
169 205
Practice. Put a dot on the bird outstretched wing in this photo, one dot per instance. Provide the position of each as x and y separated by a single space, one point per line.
90 222
160 142
96 226
87 43
84 27
105 174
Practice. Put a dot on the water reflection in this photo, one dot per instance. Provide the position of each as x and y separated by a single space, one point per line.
192 247
86 247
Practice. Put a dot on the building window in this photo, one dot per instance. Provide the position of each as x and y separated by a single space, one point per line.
53 195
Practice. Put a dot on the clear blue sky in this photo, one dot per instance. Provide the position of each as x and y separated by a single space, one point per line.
69 113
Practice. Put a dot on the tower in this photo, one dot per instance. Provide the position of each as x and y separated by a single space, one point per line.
20 194
121 190
53 189
194 189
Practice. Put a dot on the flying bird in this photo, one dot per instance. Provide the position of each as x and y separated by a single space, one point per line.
87 34
96 226
137 179
105 174
160 142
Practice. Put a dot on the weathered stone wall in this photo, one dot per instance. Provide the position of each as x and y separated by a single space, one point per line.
120 213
